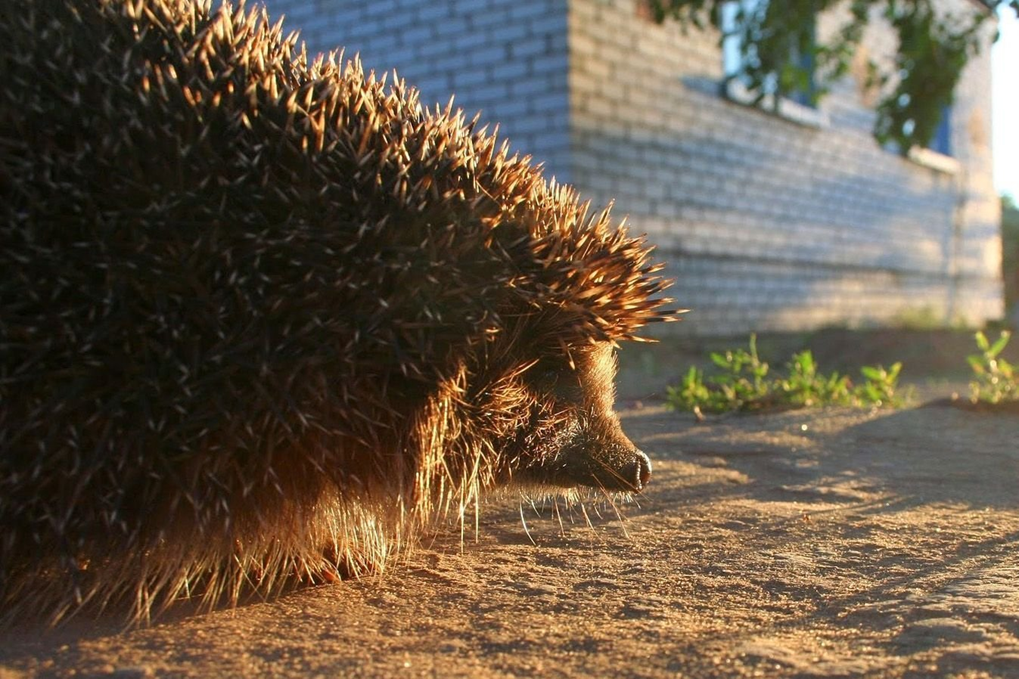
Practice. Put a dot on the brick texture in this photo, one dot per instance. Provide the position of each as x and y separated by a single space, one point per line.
768 223
504 59
765 223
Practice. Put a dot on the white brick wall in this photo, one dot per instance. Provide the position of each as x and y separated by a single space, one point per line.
766 223
504 58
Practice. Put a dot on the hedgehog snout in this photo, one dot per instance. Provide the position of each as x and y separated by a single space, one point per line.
638 472
613 464
630 474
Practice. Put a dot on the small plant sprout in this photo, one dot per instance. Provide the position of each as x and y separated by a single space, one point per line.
880 385
995 379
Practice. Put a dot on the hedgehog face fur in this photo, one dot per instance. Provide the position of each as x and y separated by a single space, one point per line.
261 318
573 436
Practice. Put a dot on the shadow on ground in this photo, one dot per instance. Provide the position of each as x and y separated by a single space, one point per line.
829 543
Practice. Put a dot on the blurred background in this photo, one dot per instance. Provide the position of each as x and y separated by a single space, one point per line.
781 214
784 216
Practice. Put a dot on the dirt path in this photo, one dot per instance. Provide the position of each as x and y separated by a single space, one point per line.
823 544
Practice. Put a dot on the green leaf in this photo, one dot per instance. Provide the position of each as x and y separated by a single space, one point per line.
1000 343
893 372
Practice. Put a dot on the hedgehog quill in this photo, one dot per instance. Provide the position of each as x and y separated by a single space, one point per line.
263 316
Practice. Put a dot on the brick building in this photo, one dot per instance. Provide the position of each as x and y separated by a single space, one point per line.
791 219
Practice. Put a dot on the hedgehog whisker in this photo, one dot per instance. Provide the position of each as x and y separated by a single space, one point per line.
611 499
558 515
523 522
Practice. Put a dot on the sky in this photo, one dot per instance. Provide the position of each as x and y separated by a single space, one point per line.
1005 105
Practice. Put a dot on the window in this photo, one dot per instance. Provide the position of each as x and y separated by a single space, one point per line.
937 155
941 142
732 42
735 59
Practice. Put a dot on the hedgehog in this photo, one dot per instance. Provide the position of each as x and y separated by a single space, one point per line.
264 317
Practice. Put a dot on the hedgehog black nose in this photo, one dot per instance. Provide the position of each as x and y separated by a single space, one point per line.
643 469
639 473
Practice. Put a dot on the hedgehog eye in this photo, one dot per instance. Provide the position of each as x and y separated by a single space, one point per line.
544 374
547 373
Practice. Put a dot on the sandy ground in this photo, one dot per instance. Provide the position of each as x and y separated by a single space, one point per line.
801 544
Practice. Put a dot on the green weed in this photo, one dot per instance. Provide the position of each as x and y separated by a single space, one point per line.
995 379
742 383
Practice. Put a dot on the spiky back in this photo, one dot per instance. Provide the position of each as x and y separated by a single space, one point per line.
222 264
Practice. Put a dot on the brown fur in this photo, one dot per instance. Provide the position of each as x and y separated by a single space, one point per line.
262 317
